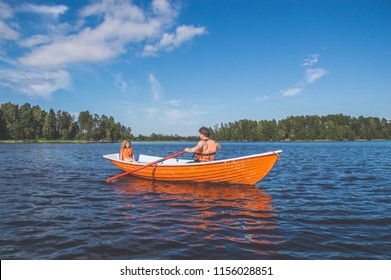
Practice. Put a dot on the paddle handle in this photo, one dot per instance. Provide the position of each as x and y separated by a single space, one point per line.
144 166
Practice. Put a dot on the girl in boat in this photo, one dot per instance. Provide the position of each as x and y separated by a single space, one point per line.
126 151
206 148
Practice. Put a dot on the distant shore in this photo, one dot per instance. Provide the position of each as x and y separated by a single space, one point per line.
44 141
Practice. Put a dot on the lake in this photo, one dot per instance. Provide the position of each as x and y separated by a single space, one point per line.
322 200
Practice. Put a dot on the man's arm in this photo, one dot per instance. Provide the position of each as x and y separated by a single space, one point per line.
195 148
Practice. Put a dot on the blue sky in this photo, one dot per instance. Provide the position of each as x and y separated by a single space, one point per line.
172 66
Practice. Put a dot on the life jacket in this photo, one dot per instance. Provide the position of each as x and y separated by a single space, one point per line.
209 153
126 153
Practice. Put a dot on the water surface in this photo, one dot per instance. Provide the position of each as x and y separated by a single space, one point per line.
320 201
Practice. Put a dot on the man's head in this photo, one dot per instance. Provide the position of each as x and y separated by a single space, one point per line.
204 131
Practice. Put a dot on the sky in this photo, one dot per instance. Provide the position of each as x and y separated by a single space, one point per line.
171 67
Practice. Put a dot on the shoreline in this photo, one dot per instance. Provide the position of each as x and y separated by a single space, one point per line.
43 141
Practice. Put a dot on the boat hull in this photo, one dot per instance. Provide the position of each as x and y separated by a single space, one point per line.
244 170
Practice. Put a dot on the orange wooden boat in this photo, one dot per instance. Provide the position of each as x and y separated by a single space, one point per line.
242 170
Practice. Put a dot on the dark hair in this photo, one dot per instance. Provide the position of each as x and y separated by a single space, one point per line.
204 131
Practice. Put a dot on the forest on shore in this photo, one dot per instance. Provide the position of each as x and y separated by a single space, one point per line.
31 123
28 122
333 127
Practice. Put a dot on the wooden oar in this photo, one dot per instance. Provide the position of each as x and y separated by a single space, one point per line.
144 166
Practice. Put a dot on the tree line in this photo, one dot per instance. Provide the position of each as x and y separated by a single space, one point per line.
28 122
334 127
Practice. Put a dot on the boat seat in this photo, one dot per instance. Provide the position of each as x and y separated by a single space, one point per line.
148 159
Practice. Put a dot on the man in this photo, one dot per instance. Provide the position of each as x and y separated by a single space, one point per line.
206 148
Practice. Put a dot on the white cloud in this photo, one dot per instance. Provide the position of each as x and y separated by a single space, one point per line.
182 116
103 31
162 7
55 10
311 75
174 115
7 31
121 23
156 88
35 83
71 50
261 98
292 91
183 33
120 83
171 41
35 40
171 112
6 59
5 11
151 111
123 10
174 102
311 60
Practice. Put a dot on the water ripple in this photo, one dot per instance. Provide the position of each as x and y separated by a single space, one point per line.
321 201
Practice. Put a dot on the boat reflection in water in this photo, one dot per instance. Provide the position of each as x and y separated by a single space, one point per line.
202 216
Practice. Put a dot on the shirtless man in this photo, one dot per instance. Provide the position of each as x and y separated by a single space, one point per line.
206 148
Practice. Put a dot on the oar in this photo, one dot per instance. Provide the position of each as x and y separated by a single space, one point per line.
144 166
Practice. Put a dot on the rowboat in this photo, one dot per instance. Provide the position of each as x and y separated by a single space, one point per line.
246 170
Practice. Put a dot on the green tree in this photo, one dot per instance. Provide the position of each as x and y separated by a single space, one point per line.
25 123
125 132
10 115
108 129
49 128
386 129
330 131
3 127
86 125
248 130
65 125
38 116
268 130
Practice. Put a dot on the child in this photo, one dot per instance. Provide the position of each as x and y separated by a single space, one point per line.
126 152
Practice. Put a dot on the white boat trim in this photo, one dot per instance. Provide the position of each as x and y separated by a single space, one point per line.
145 159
